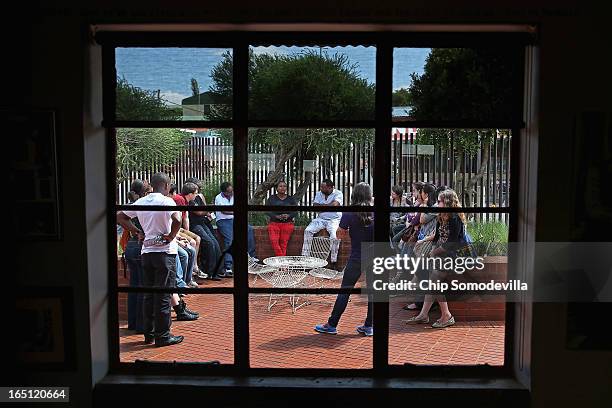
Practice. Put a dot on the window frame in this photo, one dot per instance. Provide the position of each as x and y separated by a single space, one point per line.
383 122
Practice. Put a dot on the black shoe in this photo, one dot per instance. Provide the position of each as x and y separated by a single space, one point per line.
182 315
169 341
214 278
187 309
149 339
221 275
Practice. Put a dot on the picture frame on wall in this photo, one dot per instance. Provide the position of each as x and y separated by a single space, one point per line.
46 331
34 172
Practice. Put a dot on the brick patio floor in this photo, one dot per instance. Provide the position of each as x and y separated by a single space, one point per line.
281 339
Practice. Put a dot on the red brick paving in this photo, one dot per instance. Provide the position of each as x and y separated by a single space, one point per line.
281 339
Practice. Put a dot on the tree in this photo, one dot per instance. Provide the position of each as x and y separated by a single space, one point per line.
311 85
195 87
135 103
144 148
459 84
401 97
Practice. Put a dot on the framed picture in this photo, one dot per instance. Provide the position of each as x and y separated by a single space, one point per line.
34 172
46 333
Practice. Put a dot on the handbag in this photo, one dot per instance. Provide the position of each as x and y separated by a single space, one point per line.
466 248
410 235
423 248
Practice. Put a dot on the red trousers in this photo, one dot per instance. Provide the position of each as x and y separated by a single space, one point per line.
279 233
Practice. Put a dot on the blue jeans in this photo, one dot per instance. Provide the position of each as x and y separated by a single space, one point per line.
251 241
352 272
226 229
184 268
135 305
210 251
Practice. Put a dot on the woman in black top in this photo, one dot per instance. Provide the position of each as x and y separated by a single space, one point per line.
449 233
281 223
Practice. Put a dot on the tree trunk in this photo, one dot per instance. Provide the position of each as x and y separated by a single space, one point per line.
471 183
275 175
301 189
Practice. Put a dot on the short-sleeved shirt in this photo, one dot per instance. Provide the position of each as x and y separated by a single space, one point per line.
358 232
220 199
180 200
335 195
155 223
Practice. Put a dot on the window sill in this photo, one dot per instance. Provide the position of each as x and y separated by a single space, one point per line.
161 389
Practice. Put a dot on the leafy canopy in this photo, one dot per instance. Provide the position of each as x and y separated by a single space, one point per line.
464 83
134 103
309 85
143 148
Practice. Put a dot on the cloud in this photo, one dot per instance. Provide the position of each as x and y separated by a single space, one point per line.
172 98
271 50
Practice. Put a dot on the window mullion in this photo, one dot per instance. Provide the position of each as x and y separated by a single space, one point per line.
382 169
239 248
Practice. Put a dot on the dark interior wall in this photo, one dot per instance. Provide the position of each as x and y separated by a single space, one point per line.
575 76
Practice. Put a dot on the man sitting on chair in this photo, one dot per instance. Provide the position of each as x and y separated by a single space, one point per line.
327 195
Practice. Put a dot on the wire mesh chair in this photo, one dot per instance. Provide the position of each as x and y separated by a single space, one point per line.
256 269
288 272
321 248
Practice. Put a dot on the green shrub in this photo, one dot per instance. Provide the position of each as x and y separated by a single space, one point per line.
261 219
490 238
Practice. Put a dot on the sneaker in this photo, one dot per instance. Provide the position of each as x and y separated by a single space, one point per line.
365 330
325 328
202 275
228 273
193 284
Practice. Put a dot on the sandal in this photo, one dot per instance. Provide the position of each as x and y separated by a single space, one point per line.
417 320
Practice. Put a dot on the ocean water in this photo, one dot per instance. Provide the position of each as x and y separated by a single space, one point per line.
170 70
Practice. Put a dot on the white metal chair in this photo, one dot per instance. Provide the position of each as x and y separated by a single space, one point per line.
256 269
321 248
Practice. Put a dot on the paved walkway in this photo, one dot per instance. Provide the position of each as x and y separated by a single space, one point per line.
281 339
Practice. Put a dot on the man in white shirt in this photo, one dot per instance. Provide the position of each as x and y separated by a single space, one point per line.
327 195
225 223
159 252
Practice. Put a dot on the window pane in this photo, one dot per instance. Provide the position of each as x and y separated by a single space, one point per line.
200 344
477 336
457 84
312 258
183 154
473 162
174 83
320 83
197 162
280 338
303 158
